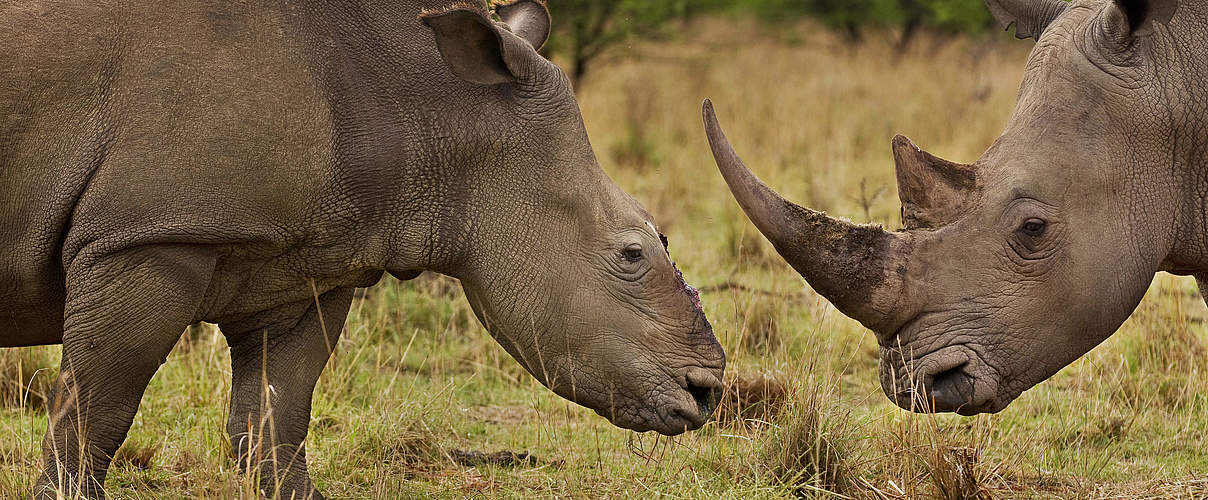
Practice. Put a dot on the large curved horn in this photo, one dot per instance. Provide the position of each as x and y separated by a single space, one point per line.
857 267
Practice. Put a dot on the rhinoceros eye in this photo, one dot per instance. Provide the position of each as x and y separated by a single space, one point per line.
1034 227
632 253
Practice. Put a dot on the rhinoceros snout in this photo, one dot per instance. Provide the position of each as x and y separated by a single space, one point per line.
952 379
705 390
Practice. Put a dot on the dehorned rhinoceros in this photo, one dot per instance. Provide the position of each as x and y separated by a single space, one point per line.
250 163
1012 267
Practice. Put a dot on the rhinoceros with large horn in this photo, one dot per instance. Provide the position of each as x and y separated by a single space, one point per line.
251 163
1008 269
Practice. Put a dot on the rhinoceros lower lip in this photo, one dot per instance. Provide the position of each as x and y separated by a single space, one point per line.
943 380
669 418
952 390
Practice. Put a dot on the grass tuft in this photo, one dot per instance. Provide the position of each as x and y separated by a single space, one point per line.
957 474
811 446
26 378
135 454
751 399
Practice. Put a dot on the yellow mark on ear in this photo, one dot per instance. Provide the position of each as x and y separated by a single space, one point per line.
430 12
497 3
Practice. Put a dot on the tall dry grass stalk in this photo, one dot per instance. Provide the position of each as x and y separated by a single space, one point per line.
811 447
26 377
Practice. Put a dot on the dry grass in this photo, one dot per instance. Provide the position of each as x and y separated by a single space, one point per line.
754 399
811 448
26 377
135 454
416 379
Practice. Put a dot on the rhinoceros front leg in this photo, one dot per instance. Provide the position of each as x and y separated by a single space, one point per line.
274 370
123 314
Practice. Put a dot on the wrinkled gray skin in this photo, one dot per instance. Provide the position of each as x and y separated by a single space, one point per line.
251 163
1010 268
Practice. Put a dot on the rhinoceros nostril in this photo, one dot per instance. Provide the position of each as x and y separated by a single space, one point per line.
706 398
951 389
705 389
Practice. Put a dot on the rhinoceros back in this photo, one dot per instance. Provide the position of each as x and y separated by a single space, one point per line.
256 128
130 124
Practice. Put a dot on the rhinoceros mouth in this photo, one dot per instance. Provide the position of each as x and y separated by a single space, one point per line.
672 402
953 378
676 411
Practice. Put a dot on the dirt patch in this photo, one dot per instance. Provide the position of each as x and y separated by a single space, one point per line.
498 459
751 398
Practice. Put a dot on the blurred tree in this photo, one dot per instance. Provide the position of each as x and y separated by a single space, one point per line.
962 16
914 14
945 16
851 17
584 29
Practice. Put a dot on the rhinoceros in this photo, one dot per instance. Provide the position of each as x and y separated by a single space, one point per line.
1008 269
250 164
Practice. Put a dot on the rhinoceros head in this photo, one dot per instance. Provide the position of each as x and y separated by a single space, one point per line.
1012 267
565 270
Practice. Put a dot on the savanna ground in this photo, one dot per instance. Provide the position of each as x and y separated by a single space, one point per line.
417 383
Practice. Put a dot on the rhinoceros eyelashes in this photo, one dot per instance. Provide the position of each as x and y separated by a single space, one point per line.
1034 227
1031 241
633 253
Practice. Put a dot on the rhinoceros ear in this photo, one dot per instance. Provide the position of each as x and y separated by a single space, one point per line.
475 48
933 190
1030 17
528 19
1136 17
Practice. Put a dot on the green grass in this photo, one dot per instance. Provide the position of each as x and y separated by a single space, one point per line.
416 377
